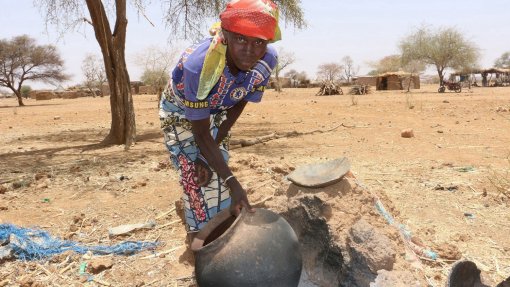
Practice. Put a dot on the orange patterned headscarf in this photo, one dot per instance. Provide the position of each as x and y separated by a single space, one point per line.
253 18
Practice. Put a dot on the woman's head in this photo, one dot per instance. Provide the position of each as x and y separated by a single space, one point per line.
248 26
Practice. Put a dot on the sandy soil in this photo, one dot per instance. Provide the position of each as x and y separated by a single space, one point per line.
446 184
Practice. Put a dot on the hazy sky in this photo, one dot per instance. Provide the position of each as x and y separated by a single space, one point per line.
365 30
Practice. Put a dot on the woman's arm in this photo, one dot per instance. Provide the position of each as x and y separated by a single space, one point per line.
210 150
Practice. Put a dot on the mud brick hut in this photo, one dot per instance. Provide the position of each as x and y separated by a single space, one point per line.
135 88
42 95
147 90
285 82
397 81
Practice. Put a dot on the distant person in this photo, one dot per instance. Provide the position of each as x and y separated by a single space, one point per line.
209 88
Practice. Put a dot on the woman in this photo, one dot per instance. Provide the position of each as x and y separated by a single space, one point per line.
209 88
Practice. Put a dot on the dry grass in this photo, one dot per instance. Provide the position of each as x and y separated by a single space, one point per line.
354 100
409 100
501 180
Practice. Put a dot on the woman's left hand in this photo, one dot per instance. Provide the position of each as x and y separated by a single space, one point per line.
203 173
239 198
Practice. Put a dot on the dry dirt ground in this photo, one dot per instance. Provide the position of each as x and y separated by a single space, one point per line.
448 184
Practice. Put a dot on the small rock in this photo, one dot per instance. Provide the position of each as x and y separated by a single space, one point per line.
56 117
407 133
164 164
20 183
73 228
104 173
446 102
280 170
75 168
26 282
3 189
450 187
97 265
448 251
42 185
69 235
6 253
461 237
78 218
376 249
440 132
40 175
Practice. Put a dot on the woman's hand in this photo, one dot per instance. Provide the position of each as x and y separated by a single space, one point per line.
239 198
203 173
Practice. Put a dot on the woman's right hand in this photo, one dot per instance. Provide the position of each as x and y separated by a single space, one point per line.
239 198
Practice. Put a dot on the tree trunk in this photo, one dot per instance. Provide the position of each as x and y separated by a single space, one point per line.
440 74
278 86
123 128
20 98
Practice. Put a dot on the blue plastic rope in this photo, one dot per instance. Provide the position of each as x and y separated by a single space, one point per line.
35 244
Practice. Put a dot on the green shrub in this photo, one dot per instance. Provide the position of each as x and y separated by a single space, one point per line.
25 91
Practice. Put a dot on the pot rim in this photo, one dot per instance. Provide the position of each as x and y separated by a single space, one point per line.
197 243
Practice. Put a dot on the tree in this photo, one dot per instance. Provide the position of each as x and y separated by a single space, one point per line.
285 59
302 79
95 75
25 91
391 63
443 48
329 72
349 69
299 79
413 67
184 19
21 59
503 61
291 74
157 79
156 64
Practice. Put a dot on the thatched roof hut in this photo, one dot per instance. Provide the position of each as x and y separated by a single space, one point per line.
397 81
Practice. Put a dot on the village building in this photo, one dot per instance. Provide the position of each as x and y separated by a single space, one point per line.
390 81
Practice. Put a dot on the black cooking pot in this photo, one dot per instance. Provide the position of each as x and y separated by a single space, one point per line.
252 250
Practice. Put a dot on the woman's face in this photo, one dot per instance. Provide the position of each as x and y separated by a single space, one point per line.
243 51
